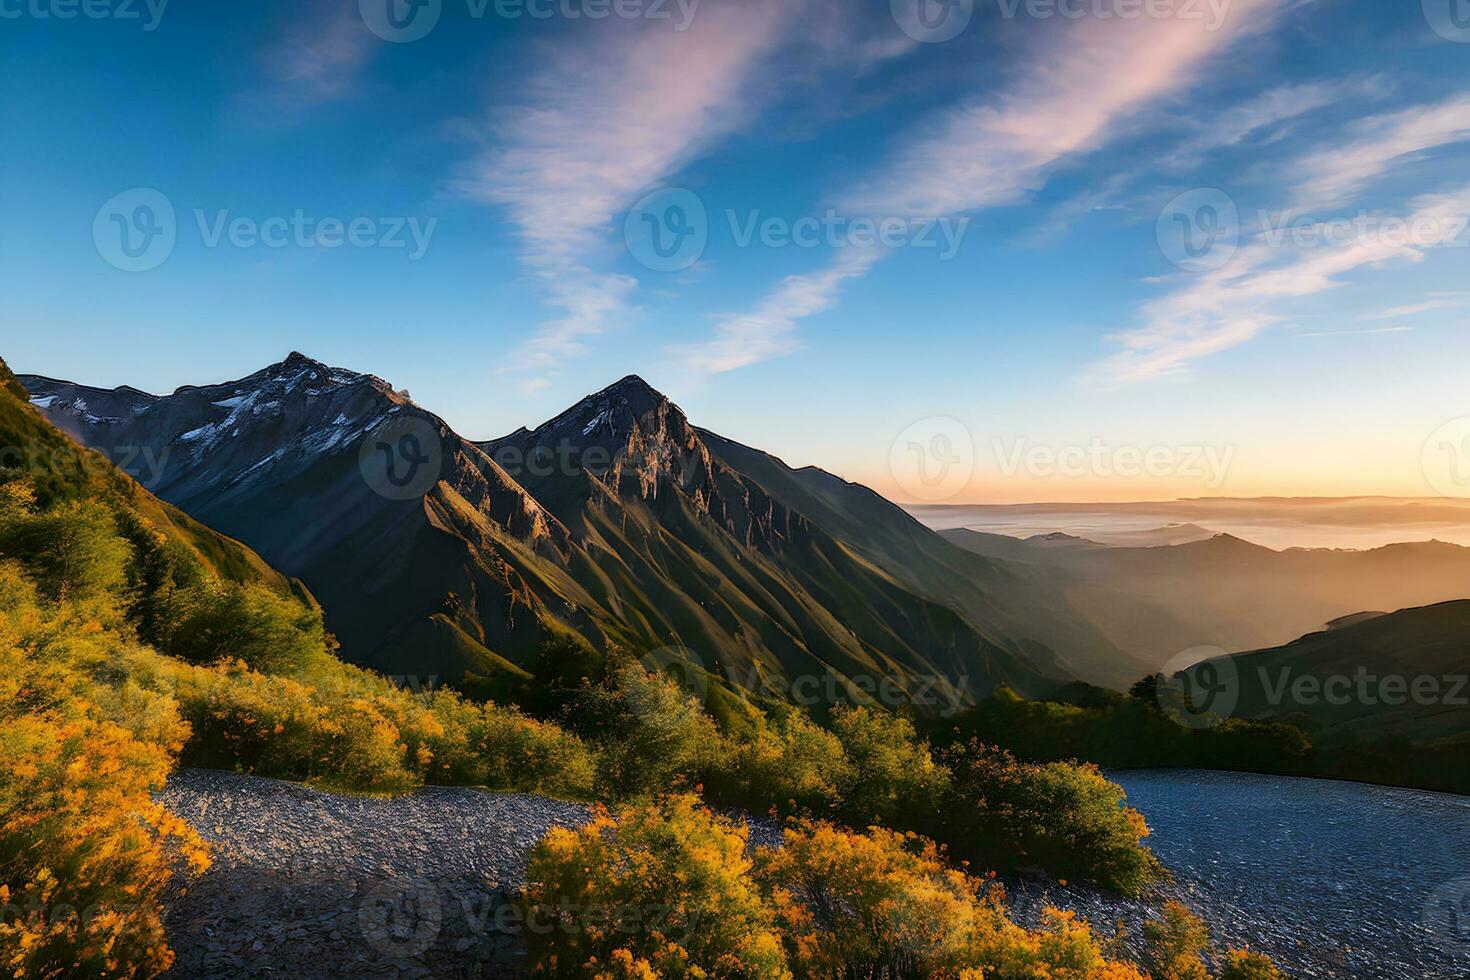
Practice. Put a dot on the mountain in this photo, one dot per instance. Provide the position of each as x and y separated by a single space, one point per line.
62 471
618 520
1403 675
1230 593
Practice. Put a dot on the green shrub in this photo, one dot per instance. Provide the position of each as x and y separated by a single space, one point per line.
659 890
1244 965
891 776
1176 945
789 763
1066 818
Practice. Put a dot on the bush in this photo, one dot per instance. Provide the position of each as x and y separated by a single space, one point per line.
656 890
85 852
790 764
1243 965
1064 817
891 778
1176 945
884 904
71 551
217 622
868 905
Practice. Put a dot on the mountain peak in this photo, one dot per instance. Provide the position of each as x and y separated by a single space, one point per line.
631 389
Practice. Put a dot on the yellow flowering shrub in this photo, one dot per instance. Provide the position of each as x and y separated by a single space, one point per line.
85 852
885 904
657 890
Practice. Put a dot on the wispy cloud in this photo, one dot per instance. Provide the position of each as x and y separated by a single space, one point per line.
1353 333
770 329
1075 89
1333 174
1227 307
600 122
993 152
322 52
1415 309
1263 115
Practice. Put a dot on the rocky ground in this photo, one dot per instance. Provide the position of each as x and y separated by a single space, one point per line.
307 884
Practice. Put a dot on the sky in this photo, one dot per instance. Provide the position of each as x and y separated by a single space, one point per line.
960 251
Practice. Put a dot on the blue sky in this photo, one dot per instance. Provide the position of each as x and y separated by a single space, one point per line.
1067 149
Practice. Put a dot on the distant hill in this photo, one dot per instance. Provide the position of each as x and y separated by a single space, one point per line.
1229 593
1402 675
617 520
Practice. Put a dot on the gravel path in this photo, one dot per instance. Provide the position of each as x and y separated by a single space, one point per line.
1332 880
307 884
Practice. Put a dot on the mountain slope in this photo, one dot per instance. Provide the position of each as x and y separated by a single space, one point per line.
1229 593
61 470
618 520
1402 675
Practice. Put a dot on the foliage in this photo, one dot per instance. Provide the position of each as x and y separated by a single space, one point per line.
892 778
1244 965
1066 818
85 852
659 890
788 763
1176 945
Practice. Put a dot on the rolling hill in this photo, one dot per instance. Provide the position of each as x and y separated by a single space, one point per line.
1229 593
